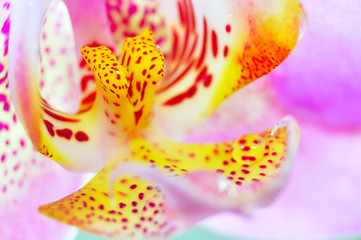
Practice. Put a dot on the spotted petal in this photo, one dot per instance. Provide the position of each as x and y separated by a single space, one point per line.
215 48
59 71
70 139
47 128
145 66
195 43
24 172
238 176
129 18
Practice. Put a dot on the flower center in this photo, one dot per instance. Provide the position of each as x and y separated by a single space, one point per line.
126 87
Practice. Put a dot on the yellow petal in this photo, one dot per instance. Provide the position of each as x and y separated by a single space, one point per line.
251 158
112 86
214 55
141 208
85 141
145 67
137 209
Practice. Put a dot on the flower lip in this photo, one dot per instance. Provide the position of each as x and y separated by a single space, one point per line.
162 174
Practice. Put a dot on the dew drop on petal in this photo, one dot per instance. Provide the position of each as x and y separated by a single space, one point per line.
158 48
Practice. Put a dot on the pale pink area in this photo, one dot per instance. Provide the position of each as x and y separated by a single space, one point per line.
90 27
59 65
322 77
46 182
90 23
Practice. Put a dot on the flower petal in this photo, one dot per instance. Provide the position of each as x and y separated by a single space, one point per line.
69 139
313 190
137 208
23 61
127 87
145 66
251 158
149 203
112 84
58 60
90 26
90 23
212 57
129 18
23 171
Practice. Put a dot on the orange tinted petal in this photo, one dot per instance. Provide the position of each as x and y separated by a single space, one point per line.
212 53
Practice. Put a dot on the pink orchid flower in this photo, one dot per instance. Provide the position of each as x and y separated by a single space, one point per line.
131 99
320 85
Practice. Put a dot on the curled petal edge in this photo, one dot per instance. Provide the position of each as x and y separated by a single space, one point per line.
122 196
192 198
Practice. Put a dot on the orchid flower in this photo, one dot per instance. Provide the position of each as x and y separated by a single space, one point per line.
138 101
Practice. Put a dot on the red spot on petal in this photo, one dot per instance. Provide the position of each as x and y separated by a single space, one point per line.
81 136
138 114
228 28
245 171
50 128
65 133
214 43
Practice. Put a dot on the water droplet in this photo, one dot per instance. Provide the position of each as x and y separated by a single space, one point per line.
158 48
303 23
230 14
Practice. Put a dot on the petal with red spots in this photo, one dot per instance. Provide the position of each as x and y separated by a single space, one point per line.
251 158
157 201
145 65
58 60
69 139
112 86
130 18
24 172
127 86
215 53
137 209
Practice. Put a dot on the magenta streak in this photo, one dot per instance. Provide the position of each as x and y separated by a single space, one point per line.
6 27
2 80
4 126
7 5
6 104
